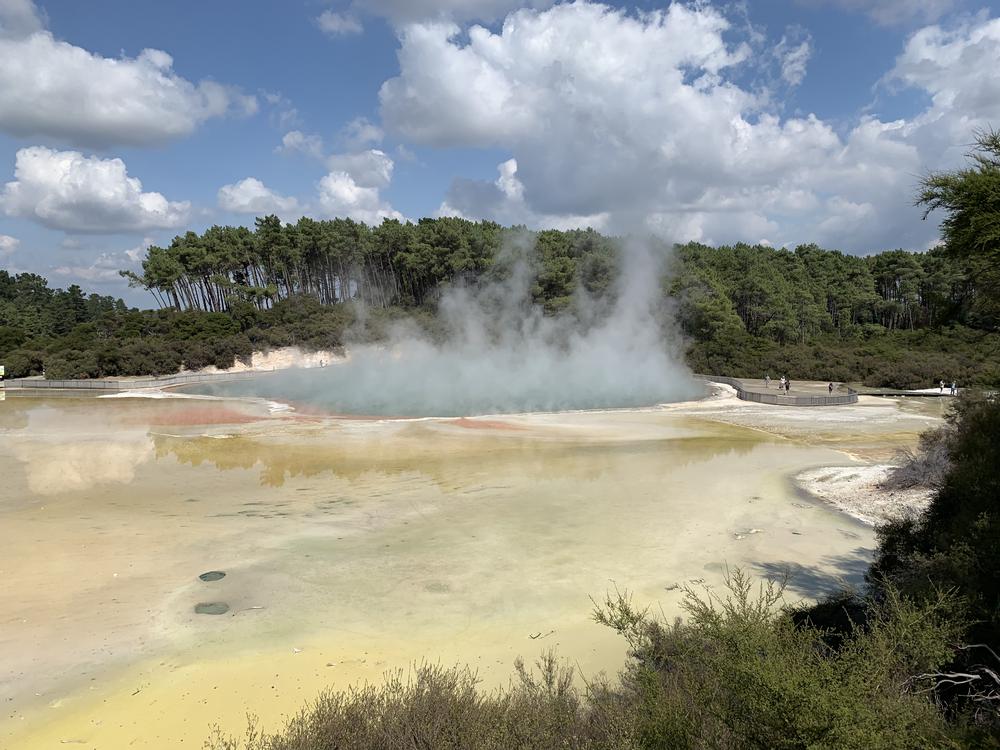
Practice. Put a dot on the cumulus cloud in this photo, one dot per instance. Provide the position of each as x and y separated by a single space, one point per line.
338 24
19 18
104 269
360 133
69 191
8 245
894 12
251 196
508 85
368 167
957 67
407 11
52 88
295 141
356 176
640 121
371 168
341 196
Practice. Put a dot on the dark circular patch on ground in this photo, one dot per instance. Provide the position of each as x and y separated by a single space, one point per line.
212 575
211 608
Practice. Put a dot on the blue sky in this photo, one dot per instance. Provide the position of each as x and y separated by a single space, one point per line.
785 121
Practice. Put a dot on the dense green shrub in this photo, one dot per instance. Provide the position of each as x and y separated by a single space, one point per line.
739 673
956 543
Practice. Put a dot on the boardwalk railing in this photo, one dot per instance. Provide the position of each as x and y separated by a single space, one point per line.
776 400
114 386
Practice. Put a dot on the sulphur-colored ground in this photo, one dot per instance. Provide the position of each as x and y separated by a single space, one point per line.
352 547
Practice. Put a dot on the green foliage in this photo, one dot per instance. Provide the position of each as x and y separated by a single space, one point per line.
956 543
896 319
970 199
738 674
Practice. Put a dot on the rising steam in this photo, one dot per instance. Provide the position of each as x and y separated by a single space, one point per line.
503 355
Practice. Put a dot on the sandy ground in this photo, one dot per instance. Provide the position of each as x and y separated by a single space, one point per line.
352 547
860 492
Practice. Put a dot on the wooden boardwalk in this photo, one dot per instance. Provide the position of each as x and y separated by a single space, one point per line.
806 393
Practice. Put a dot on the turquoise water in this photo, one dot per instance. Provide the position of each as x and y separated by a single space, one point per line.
365 389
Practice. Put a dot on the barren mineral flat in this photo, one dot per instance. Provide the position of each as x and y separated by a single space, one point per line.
350 547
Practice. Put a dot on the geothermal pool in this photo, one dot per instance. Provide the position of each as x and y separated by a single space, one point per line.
373 382
350 547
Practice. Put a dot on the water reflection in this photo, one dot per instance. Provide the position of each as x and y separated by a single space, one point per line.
453 462
67 452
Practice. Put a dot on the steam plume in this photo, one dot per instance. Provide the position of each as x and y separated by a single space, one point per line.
502 355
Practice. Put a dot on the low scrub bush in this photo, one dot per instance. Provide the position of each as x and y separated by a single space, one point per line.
740 672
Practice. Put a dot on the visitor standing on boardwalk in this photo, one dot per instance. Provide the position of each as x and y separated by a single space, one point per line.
767 380
954 388
829 388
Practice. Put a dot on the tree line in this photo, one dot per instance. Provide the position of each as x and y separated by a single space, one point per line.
334 261
895 318
783 295
744 309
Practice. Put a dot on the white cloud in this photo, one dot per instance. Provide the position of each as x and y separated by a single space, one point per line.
103 270
371 168
138 252
105 267
297 141
894 12
339 24
957 67
19 18
8 245
281 112
69 191
340 196
368 167
352 187
406 11
641 120
793 59
52 88
251 196
360 133
583 56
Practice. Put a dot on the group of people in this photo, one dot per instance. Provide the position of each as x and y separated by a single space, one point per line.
783 385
